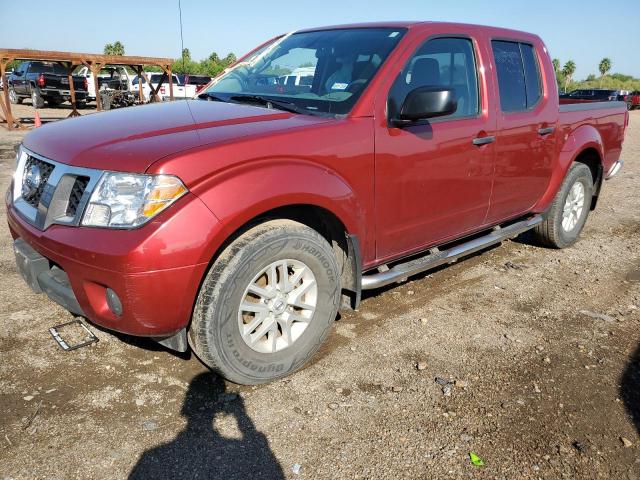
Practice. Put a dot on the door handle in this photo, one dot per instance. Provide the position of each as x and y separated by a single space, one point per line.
484 140
546 130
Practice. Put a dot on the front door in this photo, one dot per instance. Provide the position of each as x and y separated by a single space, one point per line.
433 178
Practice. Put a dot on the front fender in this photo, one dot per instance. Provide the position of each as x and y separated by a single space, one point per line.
581 139
246 191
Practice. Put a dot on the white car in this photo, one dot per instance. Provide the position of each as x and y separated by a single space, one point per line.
179 90
109 77
300 77
2 79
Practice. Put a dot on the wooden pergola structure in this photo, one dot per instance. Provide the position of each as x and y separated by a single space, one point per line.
71 61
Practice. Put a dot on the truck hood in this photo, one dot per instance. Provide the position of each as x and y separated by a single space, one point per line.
131 139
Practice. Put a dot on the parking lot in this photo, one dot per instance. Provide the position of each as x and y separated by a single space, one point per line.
536 353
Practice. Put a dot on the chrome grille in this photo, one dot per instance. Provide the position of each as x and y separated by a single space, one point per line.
46 192
32 195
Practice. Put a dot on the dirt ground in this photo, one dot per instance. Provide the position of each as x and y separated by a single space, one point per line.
537 351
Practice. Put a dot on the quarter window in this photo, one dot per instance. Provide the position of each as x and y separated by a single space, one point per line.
440 62
518 75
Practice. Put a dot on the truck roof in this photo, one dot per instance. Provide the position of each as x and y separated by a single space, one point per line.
423 25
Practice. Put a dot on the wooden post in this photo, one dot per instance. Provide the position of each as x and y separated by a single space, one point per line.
171 83
95 70
153 93
154 90
140 92
6 104
72 90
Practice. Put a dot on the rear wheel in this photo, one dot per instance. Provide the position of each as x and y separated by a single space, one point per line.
569 210
267 303
36 99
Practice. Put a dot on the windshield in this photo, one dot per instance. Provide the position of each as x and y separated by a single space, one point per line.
47 67
318 72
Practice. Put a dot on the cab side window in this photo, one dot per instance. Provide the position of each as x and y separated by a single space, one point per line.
440 62
518 75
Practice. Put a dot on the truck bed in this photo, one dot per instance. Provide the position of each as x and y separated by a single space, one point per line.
608 118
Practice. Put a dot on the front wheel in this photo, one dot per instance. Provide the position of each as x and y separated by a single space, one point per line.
267 303
13 97
569 210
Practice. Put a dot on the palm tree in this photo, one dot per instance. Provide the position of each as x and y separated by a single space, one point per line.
556 65
604 67
116 48
568 70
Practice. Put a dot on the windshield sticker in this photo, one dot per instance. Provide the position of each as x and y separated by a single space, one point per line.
394 34
339 86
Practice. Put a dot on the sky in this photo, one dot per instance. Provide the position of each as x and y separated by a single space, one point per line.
584 31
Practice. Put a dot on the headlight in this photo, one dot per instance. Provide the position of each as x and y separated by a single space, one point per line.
124 200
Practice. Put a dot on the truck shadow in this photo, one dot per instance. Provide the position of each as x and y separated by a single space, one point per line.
200 451
630 388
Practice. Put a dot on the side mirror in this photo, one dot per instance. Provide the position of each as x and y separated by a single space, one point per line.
426 102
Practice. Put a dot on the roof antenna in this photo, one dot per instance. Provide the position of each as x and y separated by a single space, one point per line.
182 43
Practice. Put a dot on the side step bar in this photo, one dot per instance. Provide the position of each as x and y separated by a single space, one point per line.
436 257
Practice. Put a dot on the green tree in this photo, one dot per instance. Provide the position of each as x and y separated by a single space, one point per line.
568 70
214 57
186 54
604 67
229 60
558 71
116 48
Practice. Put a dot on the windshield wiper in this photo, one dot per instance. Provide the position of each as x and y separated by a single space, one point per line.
270 103
212 97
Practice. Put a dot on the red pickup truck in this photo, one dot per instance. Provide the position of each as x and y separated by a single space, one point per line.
237 223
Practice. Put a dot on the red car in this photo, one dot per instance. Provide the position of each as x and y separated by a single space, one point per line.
239 223
633 100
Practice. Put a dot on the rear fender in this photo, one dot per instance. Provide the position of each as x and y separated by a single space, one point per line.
581 139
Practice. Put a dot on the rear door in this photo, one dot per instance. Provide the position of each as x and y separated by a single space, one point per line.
527 117
433 178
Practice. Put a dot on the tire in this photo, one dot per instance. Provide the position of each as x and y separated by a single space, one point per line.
13 97
215 332
552 232
36 99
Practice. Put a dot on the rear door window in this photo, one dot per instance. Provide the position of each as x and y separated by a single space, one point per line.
531 74
518 74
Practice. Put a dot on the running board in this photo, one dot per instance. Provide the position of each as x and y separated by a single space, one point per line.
436 257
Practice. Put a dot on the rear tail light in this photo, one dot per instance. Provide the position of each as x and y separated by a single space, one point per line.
41 81
162 90
85 84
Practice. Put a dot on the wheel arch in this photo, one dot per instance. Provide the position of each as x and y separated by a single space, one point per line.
592 159
345 244
583 145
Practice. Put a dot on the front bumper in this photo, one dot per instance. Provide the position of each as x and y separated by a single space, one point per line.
155 270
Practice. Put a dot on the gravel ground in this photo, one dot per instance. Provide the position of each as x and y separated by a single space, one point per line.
537 352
